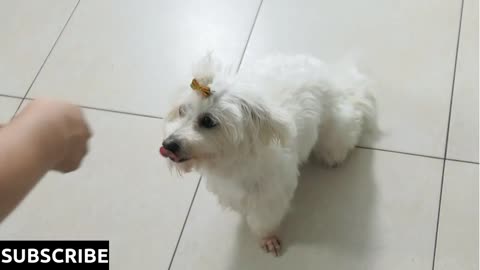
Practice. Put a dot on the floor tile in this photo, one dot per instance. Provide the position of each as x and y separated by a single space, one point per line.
378 211
457 245
123 193
134 55
28 30
463 139
406 47
7 108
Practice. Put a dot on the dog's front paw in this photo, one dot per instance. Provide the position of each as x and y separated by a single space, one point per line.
272 245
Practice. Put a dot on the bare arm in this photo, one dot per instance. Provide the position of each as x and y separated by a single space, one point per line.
46 135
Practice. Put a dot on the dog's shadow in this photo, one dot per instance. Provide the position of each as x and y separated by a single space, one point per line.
330 219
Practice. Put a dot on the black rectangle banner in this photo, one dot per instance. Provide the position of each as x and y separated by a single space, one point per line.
54 255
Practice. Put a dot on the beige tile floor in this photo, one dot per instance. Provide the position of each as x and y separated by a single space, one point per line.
408 200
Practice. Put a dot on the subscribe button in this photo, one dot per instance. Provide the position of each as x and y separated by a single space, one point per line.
54 255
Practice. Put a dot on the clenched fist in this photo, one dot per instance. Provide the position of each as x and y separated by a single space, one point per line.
60 129
45 135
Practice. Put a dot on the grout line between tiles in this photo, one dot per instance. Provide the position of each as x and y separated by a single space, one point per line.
249 35
453 82
161 118
48 55
121 112
462 161
200 180
184 223
113 111
358 146
417 155
398 152
447 136
10 96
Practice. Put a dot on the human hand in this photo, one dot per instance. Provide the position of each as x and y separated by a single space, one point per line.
59 129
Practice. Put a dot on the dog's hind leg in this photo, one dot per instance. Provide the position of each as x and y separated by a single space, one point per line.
332 151
338 136
353 114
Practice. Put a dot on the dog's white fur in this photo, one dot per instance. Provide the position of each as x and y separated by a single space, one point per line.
270 118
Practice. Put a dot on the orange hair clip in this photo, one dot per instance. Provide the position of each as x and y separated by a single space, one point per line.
202 89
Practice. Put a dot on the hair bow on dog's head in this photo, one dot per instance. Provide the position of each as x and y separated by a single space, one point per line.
202 89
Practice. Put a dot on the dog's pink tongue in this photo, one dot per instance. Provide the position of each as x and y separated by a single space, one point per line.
168 154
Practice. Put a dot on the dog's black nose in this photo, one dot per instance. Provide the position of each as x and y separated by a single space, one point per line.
171 145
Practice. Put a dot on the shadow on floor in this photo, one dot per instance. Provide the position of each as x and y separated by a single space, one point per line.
330 220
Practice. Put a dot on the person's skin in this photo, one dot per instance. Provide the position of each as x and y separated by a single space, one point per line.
46 135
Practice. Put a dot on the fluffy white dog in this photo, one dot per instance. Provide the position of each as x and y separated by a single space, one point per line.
248 133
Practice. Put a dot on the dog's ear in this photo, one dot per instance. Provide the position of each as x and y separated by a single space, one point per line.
268 124
206 69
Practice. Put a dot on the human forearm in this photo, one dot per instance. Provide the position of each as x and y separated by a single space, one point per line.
23 161
46 135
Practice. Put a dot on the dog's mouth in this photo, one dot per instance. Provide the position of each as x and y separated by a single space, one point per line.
172 156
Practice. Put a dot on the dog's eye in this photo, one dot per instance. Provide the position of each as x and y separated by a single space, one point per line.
181 110
206 121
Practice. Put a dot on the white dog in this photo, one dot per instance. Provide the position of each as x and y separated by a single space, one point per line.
248 133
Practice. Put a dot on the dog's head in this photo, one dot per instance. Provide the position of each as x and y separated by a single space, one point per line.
207 131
